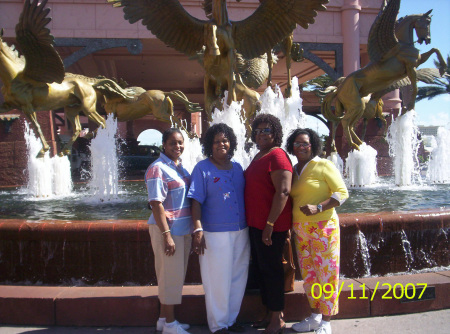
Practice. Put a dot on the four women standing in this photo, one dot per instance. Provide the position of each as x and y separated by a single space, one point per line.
221 211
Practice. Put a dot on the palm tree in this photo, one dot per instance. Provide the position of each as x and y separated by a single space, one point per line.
439 86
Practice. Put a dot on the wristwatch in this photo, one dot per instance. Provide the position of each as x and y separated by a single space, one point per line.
319 207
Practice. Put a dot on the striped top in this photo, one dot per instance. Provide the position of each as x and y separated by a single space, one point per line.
169 184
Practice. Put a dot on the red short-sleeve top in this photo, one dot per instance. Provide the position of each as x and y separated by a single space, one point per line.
259 191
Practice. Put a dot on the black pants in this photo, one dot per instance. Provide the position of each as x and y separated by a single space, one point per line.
268 267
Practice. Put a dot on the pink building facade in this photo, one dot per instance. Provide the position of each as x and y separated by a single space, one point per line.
94 39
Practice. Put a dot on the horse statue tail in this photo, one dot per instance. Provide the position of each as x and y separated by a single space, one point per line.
326 105
190 106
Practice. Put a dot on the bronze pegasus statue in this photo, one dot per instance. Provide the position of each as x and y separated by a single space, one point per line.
393 63
36 81
257 34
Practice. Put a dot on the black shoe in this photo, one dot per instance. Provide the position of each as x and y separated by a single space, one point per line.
222 331
236 328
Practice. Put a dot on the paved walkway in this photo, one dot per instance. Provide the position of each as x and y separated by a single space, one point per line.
435 322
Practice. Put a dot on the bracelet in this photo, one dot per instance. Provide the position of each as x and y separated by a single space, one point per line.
197 230
168 231
270 224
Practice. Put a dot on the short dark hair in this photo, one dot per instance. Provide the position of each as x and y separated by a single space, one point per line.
208 139
168 132
275 125
316 145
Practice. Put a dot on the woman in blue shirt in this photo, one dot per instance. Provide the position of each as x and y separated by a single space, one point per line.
220 230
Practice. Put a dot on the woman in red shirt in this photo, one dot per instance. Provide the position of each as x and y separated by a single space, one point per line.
269 216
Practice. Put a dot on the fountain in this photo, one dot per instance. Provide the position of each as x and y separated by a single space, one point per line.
83 240
80 250
439 163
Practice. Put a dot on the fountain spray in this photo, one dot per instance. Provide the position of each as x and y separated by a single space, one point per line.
439 164
402 137
104 184
46 176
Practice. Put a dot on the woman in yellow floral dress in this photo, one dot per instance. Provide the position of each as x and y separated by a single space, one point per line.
317 188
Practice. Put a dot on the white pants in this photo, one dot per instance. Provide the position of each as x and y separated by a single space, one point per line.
224 270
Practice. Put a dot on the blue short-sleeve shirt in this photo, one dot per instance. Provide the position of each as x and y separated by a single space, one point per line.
168 183
221 195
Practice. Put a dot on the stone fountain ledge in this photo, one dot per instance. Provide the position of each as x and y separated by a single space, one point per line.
52 256
139 306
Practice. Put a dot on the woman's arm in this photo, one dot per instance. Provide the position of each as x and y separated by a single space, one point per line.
161 222
198 239
281 180
310 209
336 185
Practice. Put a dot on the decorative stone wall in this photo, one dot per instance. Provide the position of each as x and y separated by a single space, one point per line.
119 252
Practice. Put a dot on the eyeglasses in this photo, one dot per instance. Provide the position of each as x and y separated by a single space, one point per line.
265 131
302 145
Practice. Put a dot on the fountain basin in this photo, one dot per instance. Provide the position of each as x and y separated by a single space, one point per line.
118 252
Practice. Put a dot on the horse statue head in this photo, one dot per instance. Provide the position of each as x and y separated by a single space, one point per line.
422 27
419 22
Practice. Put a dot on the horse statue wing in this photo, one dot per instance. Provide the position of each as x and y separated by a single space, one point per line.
426 75
168 21
382 32
272 22
43 62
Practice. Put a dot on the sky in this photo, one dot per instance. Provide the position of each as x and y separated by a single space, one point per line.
429 112
437 110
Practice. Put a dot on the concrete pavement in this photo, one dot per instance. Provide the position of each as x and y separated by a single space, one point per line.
434 322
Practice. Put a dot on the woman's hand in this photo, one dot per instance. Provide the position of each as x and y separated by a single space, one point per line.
169 245
309 209
198 243
267 235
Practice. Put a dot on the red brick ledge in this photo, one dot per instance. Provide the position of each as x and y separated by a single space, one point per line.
138 306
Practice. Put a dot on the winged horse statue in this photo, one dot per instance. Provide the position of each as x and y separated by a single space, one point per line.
393 63
268 25
36 81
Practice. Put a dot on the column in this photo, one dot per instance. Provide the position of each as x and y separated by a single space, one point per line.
350 33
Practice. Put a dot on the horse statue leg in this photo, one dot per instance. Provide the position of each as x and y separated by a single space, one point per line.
334 126
442 64
348 121
31 115
88 100
190 107
270 64
412 75
73 117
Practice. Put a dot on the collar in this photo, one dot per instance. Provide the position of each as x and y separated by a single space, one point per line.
169 161
315 159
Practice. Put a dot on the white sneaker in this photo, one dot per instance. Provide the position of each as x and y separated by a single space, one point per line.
324 329
161 326
307 325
